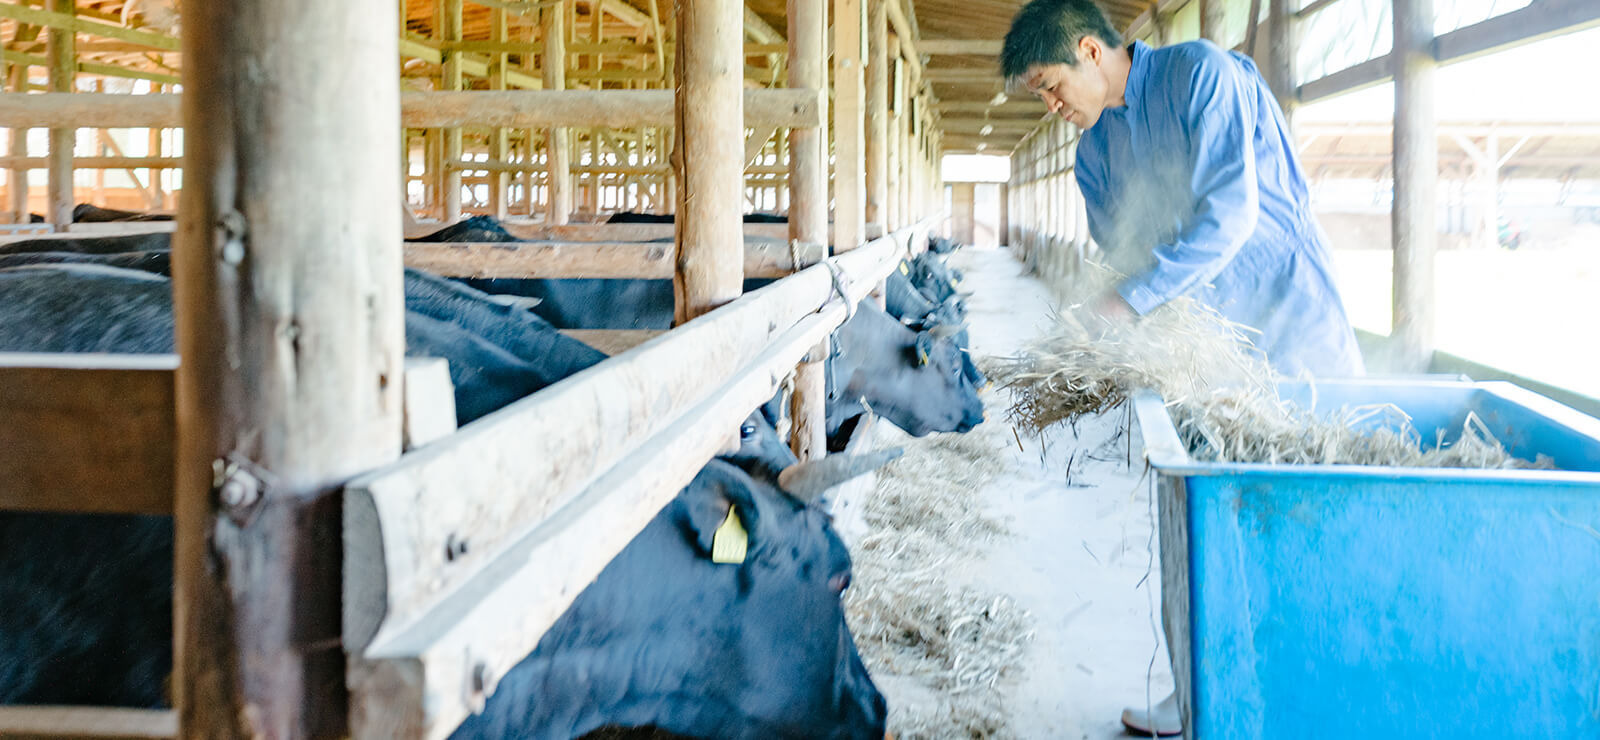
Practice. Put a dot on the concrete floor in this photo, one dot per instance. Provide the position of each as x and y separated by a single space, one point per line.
1082 555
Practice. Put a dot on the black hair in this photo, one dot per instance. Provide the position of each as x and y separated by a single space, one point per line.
1048 31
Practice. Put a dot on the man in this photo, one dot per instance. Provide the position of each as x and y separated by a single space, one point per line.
1191 181
1192 186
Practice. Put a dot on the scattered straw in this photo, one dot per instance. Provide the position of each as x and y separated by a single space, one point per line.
1220 391
940 649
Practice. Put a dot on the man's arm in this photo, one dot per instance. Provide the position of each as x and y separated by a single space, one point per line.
1220 118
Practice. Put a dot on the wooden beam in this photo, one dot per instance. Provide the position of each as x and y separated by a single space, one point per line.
808 221
58 180
448 13
98 163
708 116
877 129
57 411
1416 170
1541 19
67 22
1281 48
951 47
784 108
613 341
626 232
558 145
1537 21
288 302
80 723
558 500
946 76
849 165
644 260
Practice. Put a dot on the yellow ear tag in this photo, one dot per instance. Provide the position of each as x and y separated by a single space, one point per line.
904 270
922 357
728 543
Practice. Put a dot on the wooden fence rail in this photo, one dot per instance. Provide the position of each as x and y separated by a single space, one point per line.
780 107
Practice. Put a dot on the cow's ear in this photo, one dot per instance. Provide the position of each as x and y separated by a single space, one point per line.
924 348
719 515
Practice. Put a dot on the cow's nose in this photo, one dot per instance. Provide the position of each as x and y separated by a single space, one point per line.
839 582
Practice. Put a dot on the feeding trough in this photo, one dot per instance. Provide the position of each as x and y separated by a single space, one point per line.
1370 601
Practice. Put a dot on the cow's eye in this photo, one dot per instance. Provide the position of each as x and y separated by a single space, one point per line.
747 430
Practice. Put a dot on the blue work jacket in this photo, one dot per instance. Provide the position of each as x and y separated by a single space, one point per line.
1193 188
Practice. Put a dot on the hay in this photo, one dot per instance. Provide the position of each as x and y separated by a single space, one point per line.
1220 391
912 625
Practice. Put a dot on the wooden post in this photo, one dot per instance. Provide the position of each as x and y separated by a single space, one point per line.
1416 171
288 305
557 151
849 197
63 69
878 113
1214 20
450 27
19 174
1280 44
708 110
499 148
808 215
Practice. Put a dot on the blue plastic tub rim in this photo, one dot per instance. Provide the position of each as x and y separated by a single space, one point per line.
1168 455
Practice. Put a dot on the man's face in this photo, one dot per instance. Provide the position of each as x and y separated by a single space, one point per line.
1079 94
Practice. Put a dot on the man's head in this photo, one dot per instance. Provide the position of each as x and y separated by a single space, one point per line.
1067 53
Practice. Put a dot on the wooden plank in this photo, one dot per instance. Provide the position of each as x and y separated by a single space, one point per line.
780 107
289 307
86 433
435 633
950 47
644 260
1416 171
613 341
430 402
626 232
514 488
84 723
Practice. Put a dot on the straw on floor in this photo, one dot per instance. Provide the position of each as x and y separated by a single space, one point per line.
953 644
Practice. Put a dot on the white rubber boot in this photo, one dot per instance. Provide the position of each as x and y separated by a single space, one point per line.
1161 721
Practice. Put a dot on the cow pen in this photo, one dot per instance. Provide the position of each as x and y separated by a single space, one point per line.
289 399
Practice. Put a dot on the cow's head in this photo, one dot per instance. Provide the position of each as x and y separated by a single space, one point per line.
915 379
721 619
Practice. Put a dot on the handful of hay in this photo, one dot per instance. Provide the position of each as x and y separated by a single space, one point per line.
1221 392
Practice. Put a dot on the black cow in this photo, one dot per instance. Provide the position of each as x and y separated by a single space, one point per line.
106 637
691 670
631 217
941 245
915 379
934 278
87 213
941 405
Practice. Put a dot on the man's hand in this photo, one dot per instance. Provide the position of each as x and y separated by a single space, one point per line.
1105 313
